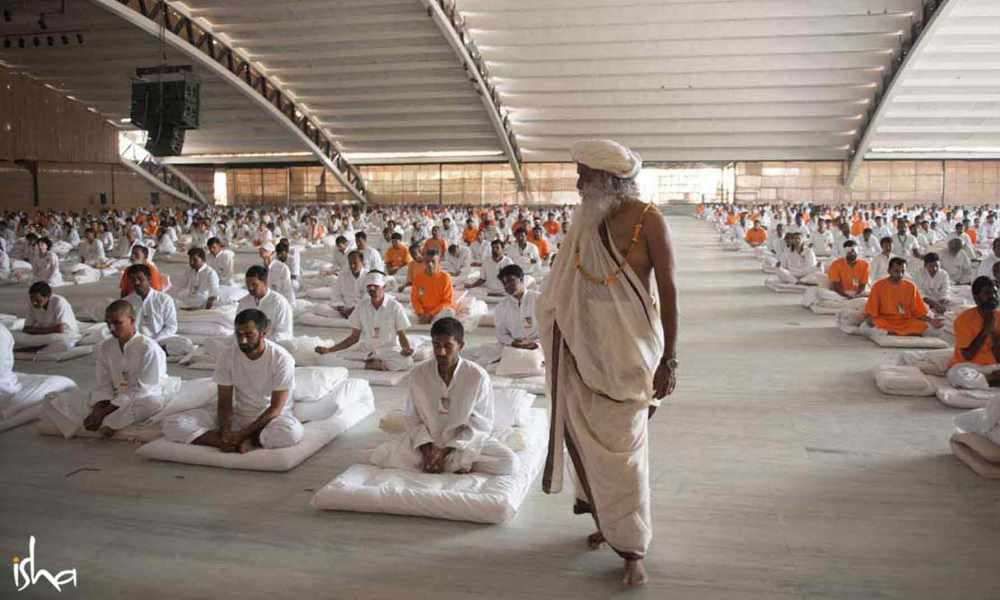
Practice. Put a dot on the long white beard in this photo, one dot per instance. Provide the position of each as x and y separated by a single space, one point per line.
597 202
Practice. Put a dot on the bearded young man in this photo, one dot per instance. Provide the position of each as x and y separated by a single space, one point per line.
601 288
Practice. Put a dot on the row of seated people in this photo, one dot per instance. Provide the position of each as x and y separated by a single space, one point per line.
448 412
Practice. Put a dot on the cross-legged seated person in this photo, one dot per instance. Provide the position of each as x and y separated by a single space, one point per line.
139 255
956 262
515 320
50 325
156 314
433 295
798 263
221 260
261 297
490 274
131 371
458 260
347 289
378 331
397 255
895 306
199 286
255 378
848 275
977 335
449 415
756 235
934 284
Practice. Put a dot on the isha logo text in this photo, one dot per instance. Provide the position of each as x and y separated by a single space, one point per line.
25 572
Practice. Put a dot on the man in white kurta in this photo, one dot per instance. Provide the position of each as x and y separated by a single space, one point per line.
449 415
934 284
45 264
256 378
91 249
347 290
515 322
378 331
371 257
956 262
490 270
199 285
986 267
279 276
458 260
260 296
155 312
51 324
798 264
131 373
221 259
524 254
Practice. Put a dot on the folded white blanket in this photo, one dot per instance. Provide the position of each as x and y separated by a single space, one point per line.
930 362
34 389
903 381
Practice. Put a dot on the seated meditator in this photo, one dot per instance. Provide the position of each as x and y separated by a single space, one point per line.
45 264
756 235
255 378
849 274
449 415
154 311
895 306
397 255
934 284
221 259
131 372
524 254
415 266
91 249
956 262
51 324
515 322
378 331
458 261
977 335
433 295
490 270
347 290
986 267
259 296
371 256
279 276
139 255
798 263
199 285
880 262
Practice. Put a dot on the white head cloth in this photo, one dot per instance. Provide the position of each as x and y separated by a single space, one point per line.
608 156
373 278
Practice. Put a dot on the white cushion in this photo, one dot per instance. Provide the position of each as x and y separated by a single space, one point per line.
511 408
34 389
472 497
515 362
930 362
908 341
313 383
903 381
317 435
345 391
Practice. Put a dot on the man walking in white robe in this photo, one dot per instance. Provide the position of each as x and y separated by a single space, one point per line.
609 348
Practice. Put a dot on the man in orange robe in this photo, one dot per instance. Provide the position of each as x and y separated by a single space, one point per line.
140 255
849 274
977 338
397 255
433 295
756 235
895 305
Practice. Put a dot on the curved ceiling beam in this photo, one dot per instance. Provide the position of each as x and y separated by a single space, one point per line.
452 26
939 13
221 58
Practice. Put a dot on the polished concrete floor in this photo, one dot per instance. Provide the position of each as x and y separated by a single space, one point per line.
778 471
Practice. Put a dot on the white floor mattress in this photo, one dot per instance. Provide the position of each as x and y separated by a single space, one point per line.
473 497
317 435
909 341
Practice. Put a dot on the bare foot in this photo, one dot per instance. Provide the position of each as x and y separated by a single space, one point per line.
107 432
595 540
635 573
246 446
92 422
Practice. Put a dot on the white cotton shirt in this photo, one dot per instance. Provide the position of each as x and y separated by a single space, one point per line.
491 272
515 320
457 264
278 311
372 259
222 264
279 279
958 266
91 253
156 315
986 267
935 288
201 284
527 258
58 311
380 326
459 415
137 370
46 268
8 379
347 290
255 380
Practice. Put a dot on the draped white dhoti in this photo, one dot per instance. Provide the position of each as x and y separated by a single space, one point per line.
600 391
283 431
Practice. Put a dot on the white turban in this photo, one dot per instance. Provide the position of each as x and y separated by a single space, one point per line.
607 155
373 278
